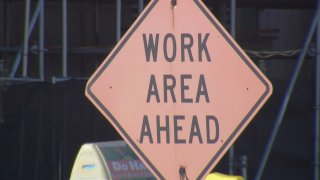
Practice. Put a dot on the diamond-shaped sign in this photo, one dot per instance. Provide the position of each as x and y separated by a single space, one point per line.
178 89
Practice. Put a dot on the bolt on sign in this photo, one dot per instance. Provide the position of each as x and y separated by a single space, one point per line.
178 89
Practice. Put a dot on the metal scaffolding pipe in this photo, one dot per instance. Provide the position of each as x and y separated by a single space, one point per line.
39 139
317 106
41 41
64 39
233 12
140 6
16 62
118 19
19 54
26 39
54 79
288 93
22 134
6 22
233 34
244 163
20 79
96 22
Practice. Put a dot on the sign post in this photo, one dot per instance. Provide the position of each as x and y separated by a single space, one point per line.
178 89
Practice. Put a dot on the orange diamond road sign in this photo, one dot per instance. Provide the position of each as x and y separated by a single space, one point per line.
178 89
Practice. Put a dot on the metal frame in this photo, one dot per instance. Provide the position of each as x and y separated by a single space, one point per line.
64 39
26 39
41 41
118 19
140 5
317 106
38 15
287 97
29 25
233 8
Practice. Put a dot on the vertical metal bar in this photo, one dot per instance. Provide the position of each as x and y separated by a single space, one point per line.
317 106
41 41
64 155
97 22
60 160
233 11
54 139
1 107
231 159
64 39
39 138
244 165
22 134
140 6
118 20
288 93
26 39
233 34
6 23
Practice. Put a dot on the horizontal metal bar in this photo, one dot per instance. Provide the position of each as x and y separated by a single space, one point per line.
20 79
76 50
61 79
8 49
79 50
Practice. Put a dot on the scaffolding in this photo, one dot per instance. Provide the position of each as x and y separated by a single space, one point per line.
21 58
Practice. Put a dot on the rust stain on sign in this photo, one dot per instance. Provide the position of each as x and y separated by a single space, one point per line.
173 6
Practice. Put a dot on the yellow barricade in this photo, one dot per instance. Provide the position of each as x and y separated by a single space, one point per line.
219 176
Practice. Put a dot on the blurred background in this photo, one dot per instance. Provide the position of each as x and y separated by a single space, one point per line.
49 48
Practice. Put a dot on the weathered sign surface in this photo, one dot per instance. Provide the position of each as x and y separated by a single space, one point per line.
178 89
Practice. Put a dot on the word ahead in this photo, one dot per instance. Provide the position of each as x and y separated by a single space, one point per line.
211 135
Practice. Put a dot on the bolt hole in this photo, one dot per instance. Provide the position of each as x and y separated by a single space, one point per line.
173 3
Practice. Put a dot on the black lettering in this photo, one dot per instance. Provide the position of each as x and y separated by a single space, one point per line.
185 87
195 130
153 90
169 87
165 47
145 130
215 138
164 129
186 46
202 89
151 47
177 128
202 46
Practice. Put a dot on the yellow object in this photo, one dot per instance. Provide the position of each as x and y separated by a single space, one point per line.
89 164
219 176
112 160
